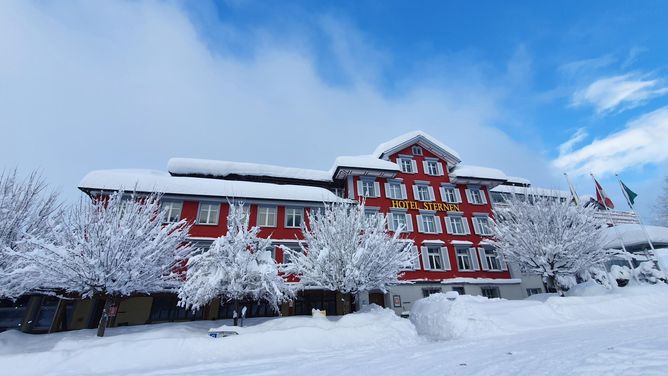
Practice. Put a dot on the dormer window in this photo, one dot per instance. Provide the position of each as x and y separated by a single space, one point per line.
416 150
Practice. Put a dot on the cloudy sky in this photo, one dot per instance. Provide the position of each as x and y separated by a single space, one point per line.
533 89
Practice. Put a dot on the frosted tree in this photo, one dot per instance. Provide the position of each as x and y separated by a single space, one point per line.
111 247
349 251
26 211
546 236
237 266
662 206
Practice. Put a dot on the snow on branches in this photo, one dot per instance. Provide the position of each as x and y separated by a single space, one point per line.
552 238
26 211
237 266
662 206
111 246
349 251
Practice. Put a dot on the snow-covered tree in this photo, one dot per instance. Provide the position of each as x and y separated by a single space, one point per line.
349 251
662 206
552 238
111 247
237 266
26 211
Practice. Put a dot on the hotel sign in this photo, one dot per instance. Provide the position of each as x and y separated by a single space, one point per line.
436 206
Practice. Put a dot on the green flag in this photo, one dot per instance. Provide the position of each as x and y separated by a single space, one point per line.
630 195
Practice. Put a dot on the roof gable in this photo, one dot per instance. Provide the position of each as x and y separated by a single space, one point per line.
421 138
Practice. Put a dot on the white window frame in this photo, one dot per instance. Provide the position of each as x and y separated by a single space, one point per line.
471 255
211 207
408 162
432 167
442 256
419 189
422 221
487 258
476 196
482 225
417 150
390 190
407 221
450 194
268 219
453 229
290 212
169 208
363 192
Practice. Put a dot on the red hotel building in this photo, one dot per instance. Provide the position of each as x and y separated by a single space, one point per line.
416 180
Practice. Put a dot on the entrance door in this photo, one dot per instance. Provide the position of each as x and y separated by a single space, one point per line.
377 298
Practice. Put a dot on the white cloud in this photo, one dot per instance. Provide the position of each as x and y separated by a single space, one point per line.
575 139
643 141
126 84
619 92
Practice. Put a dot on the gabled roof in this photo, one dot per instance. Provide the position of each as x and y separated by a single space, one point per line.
421 138
222 169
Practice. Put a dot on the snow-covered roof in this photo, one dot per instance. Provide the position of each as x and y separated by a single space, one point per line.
543 192
424 139
517 180
481 281
633 235
158 181
365 162
477 172
207 167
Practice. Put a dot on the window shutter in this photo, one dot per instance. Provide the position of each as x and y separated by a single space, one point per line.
458 196
474 259
403 191
445 258
437 223
376 187
416 257
483 195
441 191
502 261
419 223
476 226
359 188
440 168
432 197
425 258
483 259
448 225
387 191
468 196
467 230
425 167
414 166
415 193
409 223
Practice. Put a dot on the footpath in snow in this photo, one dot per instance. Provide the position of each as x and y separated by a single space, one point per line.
623 332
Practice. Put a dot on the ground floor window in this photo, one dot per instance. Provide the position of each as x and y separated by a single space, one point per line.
534 291
315 299
165 308
430 290
460 290
490 292
12 313
253 309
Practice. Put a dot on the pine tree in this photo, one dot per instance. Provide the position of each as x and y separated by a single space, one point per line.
349 251
237 266
27 211
108 248
546 236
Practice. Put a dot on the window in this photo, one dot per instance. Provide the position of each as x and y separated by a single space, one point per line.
272 251
401 219
534 291
423 192
456 225
171 211
294 217
370 214
368 188
490 292
395 190
450 194
208 213
431 167
464 259
481 225
266 216
416 150
476 196
493 262
430 290
460 290
434 257
286 256
407 165
429 224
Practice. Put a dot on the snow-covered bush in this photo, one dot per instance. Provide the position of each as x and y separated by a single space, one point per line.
349 251
237 266
548 237
26 211
648 273
110 247
621 274
596 274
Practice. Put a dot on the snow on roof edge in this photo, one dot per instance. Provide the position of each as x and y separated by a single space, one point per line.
387 145
216 168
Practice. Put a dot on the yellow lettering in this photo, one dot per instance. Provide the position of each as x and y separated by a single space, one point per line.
414 205
427 205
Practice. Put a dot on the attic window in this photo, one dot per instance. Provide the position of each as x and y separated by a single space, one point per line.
417 150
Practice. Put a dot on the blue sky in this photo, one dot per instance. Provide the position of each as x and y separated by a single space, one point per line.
533 88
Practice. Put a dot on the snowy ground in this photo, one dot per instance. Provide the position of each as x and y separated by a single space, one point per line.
624 333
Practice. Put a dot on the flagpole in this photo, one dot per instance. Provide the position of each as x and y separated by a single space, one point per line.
619 235
642 226
572 189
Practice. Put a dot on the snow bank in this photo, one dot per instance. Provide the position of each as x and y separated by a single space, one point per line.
467 316
140 348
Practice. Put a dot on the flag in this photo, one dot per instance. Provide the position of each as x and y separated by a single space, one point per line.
629 194
574 196
601 196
